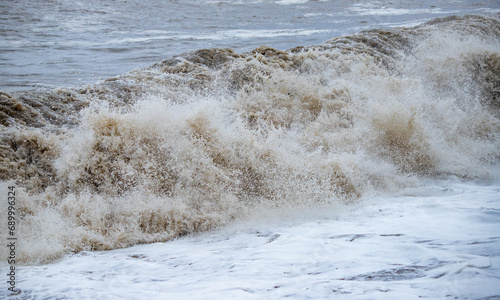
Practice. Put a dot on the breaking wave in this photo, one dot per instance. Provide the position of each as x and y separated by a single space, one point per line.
212 136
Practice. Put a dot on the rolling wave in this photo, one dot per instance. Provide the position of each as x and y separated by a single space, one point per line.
212 136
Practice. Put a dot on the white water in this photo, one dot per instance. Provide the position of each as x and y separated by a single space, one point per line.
444 245
366 167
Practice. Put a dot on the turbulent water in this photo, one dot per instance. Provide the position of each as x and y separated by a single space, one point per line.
208 137
55 43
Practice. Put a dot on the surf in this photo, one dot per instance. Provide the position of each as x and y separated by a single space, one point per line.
204 138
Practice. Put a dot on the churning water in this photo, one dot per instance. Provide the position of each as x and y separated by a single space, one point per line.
216 135
56 43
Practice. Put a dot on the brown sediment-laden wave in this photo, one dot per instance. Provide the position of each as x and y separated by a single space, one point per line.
212 136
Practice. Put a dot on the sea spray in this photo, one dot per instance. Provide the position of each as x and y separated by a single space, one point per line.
199 140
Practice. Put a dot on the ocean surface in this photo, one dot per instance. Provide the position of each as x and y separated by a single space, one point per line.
56 43
251 149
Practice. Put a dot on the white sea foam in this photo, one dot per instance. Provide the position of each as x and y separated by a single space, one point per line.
375 10
439 246
197 142
351 144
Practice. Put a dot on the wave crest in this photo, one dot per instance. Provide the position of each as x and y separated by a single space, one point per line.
204 138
